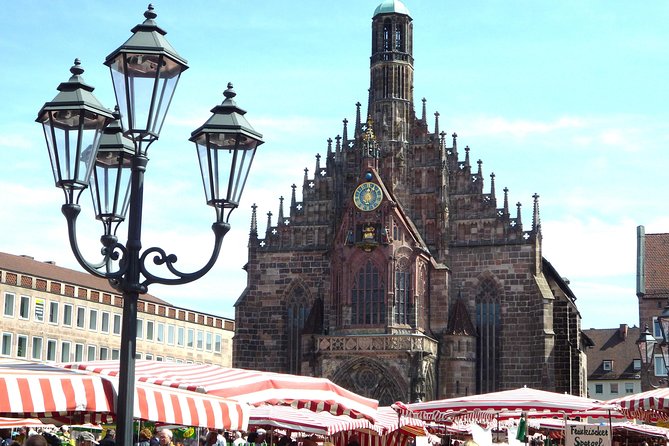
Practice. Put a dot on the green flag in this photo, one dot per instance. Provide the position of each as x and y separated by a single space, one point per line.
522 429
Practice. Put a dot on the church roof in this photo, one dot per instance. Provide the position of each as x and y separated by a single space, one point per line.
391 7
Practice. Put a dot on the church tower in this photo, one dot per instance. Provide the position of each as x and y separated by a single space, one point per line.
391 72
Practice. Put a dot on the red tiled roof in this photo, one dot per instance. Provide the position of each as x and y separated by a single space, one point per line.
656 264
50 271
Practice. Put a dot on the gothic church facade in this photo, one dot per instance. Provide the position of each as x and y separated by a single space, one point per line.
397 275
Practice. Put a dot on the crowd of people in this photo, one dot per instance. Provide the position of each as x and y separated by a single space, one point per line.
62 436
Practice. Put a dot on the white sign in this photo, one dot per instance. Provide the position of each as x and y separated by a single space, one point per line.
587 435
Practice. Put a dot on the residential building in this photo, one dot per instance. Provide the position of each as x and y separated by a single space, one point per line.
652 288
400 273
50 313
614 366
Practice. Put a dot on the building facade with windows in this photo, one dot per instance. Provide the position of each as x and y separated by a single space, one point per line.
652 288
614 366
57 314
400 273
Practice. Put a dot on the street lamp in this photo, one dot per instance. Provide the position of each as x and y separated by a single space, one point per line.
90 145
647 344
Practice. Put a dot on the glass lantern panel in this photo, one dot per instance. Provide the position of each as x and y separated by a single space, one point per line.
144 86
110 188
72 138
203 158
242 161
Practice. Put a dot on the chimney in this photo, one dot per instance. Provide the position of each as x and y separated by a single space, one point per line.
623 331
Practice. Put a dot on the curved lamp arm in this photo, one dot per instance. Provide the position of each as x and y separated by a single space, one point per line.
162 258
71 212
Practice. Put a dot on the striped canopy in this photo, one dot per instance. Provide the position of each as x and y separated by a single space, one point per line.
248 386
46 392
531 401
324 423
652 405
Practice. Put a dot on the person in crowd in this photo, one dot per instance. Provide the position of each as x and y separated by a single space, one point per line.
144 437
261 437
310 440
220 438
154 441
239 439
35 440
110 438
165 437
86 439
21 436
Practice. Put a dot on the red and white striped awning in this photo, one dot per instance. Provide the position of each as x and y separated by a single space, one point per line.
8 423
304 420
485 406
39 391
42 391
249 386
649 406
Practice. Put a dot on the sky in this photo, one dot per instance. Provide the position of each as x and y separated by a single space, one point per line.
565 99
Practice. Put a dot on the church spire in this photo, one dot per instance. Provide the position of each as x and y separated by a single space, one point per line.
254 222
280 220
536 221
345 130
357 119
436 123
423 116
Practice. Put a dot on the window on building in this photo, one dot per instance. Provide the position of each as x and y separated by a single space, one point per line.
37 349
180 336
159 358
657 328
117 324
67 315
209 342
9 304
191 338
91 350
170 334
200 340
93 320
599 388
138 355
24 307
51 347
636 364
104 353
218 339
660 369
39 309
169 359
53 312
297 316
403 307
160 335
22 346
81 317
614 388
629 388
368 305
115 353
104 322
488 340
149 330
148 356
78 352
65 348
140 329
7 344
607 365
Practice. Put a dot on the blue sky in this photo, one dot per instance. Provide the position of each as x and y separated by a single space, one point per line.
565 99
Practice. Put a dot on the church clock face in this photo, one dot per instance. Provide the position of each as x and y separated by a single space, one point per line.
367 196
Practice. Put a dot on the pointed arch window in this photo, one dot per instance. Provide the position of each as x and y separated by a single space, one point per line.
399 38
403 300
387 35
368 306
297 315
488 341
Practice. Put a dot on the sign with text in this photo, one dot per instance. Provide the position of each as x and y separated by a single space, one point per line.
587 435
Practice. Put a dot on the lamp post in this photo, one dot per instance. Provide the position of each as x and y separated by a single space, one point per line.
648 344
91 146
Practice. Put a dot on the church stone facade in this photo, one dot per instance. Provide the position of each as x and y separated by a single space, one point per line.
398 274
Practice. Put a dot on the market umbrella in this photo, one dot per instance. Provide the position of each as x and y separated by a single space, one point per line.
532 402
249 386
649 406
305 420
75 397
